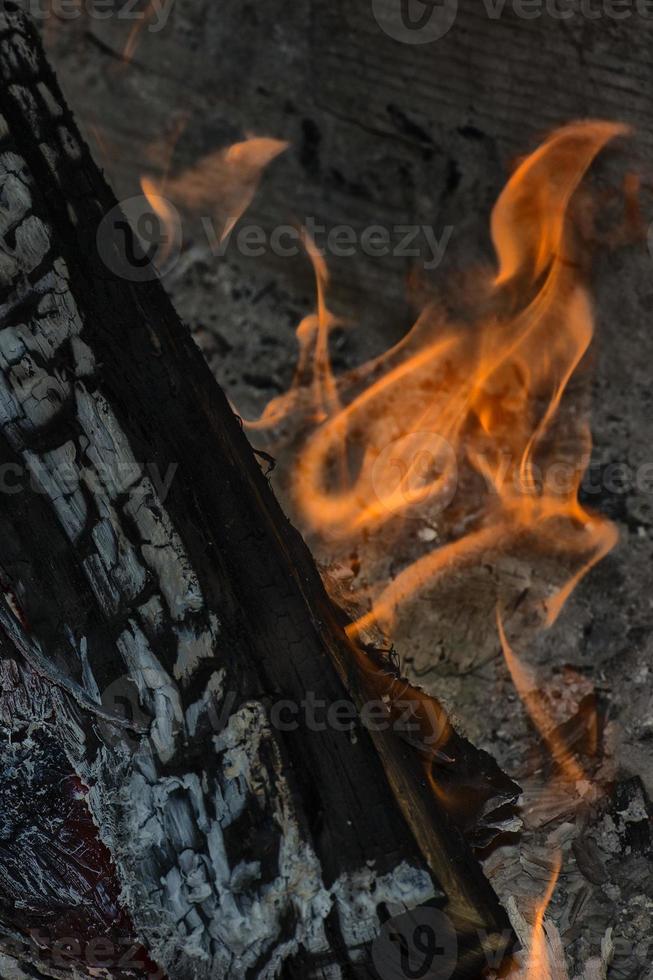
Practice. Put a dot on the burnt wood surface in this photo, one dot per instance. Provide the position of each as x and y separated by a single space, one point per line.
239 849
386 132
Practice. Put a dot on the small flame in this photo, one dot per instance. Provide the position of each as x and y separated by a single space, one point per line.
223 183
161 208
527 687
540 966
313 374
134 36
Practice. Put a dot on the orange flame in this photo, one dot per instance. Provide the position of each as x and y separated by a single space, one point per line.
161 208
134 36
527 686
313 371
490 400
540 966
229 176
399 429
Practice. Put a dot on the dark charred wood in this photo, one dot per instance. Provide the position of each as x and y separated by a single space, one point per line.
230 844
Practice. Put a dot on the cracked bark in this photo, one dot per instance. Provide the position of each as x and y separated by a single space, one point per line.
232 848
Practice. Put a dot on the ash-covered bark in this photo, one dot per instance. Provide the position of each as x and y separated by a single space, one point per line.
204 908
240 849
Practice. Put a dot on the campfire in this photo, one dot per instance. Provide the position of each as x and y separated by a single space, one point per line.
294 678
395 438
479 433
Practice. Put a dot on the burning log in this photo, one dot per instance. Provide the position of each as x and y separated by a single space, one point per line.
147 565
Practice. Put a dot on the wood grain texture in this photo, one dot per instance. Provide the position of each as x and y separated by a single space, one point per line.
380 131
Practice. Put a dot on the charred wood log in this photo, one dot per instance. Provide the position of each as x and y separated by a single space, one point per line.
145 562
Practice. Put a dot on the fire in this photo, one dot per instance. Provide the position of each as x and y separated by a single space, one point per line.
540 964
527 687
161 208
490 404
137 29
233 173
313 364
392 438
229 176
